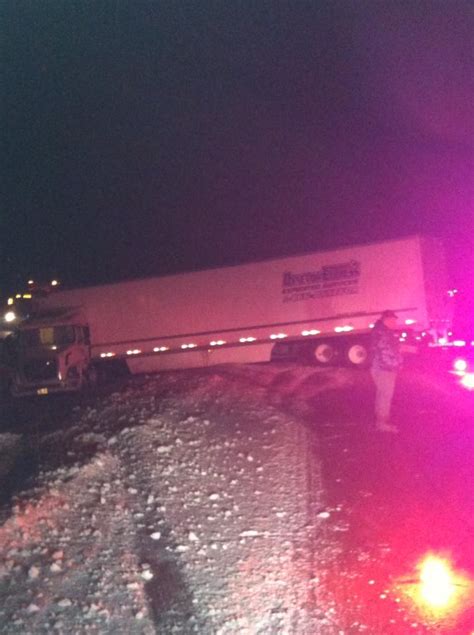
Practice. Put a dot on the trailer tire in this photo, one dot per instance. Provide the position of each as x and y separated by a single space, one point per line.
325 353
357 354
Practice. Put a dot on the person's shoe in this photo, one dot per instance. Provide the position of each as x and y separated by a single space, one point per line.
384 426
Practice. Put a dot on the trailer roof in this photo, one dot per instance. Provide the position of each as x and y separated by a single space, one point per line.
248 262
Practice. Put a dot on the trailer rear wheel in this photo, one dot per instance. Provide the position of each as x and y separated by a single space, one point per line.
357 354
325 353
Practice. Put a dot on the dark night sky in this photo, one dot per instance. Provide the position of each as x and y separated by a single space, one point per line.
142 138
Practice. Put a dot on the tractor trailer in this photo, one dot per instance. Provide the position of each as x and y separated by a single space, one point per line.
318 306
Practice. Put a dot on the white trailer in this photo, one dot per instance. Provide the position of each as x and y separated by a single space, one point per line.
319 305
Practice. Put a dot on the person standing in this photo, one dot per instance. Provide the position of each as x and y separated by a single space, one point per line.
386 362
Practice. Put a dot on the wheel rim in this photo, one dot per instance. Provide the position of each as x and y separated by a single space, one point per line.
324 353
357 354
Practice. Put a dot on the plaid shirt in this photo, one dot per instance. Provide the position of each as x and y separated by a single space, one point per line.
385 348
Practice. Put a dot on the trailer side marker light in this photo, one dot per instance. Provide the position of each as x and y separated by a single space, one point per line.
160 349
217 343
54 283
459 343
460 365
135 351
310 332
410 321
31 281
244 340
468 381
343 329
10 301
27 296
18 296
184 346
107 354
278 336
371 325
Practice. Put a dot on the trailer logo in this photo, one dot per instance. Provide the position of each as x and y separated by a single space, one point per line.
330 280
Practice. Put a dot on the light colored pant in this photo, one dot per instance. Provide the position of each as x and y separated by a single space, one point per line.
384 381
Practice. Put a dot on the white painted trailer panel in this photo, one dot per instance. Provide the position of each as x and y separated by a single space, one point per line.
211 311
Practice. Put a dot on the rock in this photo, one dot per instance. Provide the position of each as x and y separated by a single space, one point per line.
181 548
64 603
33 572
156 535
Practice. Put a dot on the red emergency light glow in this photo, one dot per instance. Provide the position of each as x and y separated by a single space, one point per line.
438 590
437 582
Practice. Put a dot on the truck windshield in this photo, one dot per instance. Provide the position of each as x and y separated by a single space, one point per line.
46 337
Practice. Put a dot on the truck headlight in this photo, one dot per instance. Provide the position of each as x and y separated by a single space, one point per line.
10 316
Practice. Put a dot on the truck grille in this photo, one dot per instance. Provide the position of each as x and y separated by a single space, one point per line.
40 369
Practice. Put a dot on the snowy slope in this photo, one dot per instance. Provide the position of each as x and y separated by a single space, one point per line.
190 502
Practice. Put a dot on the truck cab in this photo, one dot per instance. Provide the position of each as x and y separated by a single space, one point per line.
53 354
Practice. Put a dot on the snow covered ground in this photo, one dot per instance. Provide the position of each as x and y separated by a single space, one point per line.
190 502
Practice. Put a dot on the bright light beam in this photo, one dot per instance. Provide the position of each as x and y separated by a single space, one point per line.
437 582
